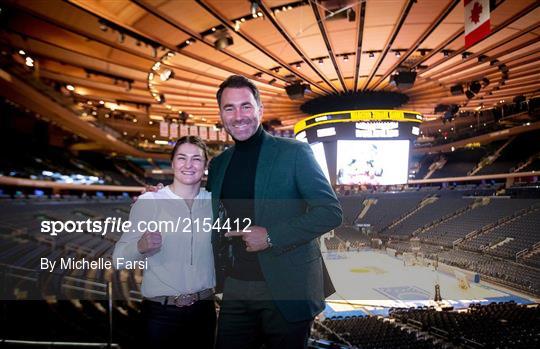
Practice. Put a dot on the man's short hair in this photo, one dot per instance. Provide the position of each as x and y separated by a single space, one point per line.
238 81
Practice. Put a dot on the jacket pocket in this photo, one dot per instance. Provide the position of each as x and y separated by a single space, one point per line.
304 254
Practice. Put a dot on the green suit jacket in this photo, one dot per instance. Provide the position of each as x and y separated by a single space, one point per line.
296 204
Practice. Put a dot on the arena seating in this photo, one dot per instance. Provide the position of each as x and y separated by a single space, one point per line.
460 162
503 325
499 270
371 332
387 207
474 218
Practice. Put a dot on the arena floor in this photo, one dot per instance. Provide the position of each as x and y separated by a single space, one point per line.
370 282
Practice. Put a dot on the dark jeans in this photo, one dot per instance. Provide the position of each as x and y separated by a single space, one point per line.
169 326
249 318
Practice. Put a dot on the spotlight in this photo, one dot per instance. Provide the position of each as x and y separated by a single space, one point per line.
469 94
121 38
70 87
446 53
298 65
103 27
29 62
166 74
321 61
272 81
161 98
503 68
345 58
485 82
465 54
351 15
371 55
397 53
223 41
22 53
482 58
257 75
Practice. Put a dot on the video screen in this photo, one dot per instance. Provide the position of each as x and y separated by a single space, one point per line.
372 162
318 151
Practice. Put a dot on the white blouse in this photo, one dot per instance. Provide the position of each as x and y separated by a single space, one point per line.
185 262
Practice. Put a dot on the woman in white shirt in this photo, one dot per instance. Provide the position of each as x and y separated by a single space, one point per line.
171 231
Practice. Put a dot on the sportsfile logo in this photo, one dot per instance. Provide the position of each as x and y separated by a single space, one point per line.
118 225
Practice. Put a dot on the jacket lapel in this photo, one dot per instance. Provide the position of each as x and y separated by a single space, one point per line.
218 176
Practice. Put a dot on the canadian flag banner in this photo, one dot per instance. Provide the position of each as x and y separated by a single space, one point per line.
164 129
477 23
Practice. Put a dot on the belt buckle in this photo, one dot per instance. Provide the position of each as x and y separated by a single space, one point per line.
185 300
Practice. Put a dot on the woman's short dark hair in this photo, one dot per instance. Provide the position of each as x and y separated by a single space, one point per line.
195 140
238 81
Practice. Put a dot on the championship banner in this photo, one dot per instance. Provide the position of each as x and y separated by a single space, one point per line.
477 21
203 133
164 129
193 130
212 134
173 130
184 130
222 134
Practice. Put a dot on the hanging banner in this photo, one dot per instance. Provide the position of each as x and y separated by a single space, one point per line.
193 130
203 132
184 130
477 21
222 135
212 134
173 130
164 129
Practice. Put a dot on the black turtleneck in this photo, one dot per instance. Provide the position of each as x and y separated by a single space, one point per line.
237 193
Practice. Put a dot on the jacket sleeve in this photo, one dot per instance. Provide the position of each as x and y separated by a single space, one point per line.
323 212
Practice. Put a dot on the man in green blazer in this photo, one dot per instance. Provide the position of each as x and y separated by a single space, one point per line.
276 282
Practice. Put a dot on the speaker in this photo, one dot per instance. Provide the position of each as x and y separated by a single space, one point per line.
295 91
403 79
475 87
440 108
456 90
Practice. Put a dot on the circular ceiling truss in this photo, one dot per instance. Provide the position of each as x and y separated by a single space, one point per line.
334 47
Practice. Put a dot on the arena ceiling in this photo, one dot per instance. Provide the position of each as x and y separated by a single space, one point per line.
114 53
